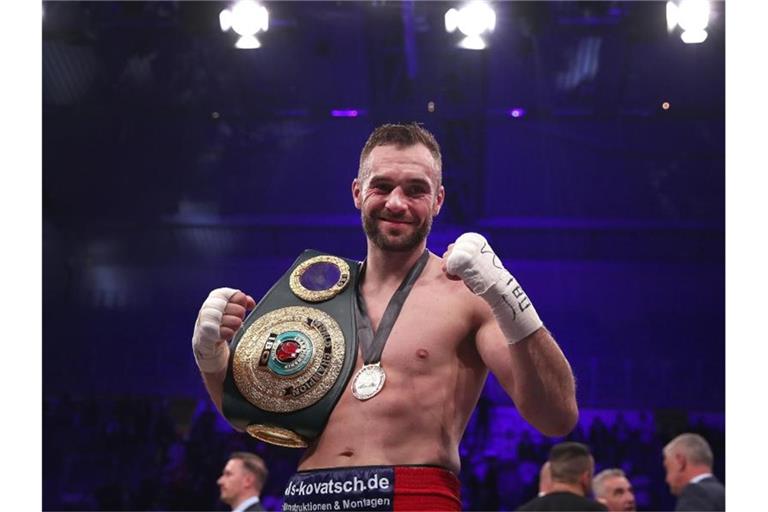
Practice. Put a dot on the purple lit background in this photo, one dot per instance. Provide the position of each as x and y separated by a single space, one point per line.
174 164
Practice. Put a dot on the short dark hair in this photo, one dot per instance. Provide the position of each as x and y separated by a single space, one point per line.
569 460
401 135
254 464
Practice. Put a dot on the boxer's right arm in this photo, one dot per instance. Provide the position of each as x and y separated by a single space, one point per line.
512 340
220 317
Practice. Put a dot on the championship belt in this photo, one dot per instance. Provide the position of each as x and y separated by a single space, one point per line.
291 359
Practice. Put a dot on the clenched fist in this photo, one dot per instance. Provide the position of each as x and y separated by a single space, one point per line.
472 260
220 317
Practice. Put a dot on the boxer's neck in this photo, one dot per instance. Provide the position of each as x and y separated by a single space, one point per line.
385 268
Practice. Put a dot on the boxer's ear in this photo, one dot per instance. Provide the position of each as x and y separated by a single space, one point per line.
438 203
356 191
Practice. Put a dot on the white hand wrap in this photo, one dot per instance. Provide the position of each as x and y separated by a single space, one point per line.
473 260
211 352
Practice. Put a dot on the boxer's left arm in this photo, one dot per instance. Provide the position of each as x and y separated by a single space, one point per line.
512 340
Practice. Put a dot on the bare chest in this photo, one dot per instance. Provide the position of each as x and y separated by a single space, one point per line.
433 378
430 327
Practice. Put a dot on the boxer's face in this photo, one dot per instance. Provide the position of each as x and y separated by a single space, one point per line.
398 196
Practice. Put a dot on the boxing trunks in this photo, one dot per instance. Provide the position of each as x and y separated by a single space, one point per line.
373 488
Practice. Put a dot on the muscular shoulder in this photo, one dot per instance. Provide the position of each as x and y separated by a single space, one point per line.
437 284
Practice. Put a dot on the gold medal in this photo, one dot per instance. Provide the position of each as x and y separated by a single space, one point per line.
368 381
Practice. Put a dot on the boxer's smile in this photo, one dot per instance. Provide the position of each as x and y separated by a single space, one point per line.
399 198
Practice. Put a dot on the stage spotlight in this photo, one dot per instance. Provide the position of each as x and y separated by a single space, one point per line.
246 18
693 18
694 14
516 112
225 20
247 43
673 15
472 20
694 36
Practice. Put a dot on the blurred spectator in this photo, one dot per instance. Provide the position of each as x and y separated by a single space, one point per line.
572 466
688 463
242 480
164 453
612 488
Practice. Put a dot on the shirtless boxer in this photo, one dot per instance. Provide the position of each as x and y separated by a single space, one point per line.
465 315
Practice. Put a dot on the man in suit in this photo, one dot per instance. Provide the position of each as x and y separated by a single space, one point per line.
571 466
613 489
688 464
241 482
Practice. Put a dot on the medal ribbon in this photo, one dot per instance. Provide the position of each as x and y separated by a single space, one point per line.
373 344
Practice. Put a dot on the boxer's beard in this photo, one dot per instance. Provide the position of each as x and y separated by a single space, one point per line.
395 244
